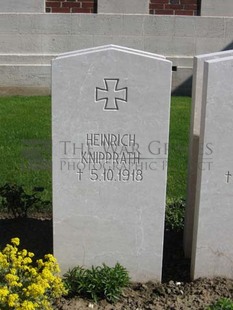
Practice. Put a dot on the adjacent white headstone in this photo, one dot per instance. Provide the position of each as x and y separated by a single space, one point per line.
123 6
212 253
33 6
194 165
110 136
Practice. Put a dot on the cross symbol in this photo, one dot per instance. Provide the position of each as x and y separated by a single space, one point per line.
111 94
228 175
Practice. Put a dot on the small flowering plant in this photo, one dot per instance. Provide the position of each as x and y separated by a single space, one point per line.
28 285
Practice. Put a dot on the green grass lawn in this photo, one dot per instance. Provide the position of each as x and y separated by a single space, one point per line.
25 144
25 138
178 147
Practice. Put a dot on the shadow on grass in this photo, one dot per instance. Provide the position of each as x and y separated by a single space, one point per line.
35 235
175 266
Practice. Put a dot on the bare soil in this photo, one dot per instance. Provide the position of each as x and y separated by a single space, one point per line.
175 292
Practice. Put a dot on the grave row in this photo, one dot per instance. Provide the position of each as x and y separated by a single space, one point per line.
110 127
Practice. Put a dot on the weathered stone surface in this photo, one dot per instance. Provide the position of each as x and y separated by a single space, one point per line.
216 8
36 6
123 6
110 133
197 94
212 251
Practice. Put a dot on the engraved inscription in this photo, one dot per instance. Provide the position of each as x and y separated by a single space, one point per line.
111 157
111 94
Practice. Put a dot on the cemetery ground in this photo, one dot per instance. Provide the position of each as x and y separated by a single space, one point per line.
25 150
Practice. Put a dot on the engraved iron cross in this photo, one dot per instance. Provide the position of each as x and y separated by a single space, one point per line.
111 94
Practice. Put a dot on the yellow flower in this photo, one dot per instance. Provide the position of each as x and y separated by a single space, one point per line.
50 258
27 260
4 292
26 286
35 290
33 272
13 270
15 241
11 278
24 253
47 274
30 254
13 300
27 305
40 263
3 261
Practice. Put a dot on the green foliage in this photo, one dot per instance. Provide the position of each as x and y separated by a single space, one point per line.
174 217
222 304
16 202
97 282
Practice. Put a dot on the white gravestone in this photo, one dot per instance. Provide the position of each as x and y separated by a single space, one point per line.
195 123
110 137
194 165
212 252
